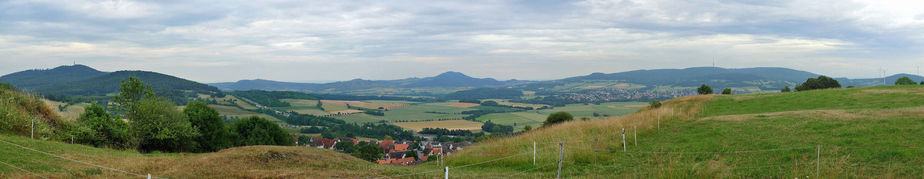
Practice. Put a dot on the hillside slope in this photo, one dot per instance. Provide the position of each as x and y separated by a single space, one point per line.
861 132
843 133
239 162
63 74
18 110
109 83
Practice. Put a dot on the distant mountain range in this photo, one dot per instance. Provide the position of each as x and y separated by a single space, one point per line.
447 81
83 80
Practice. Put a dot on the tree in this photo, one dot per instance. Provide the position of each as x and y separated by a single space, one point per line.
727 91
368 152
411 154
557 117
527 128
345 146
213 134
653 104
99 129
258 131
704 89
156 124
132 92
822 82
785 89
905 81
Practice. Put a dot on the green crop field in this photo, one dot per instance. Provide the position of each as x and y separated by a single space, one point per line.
231 111
535 118
302 106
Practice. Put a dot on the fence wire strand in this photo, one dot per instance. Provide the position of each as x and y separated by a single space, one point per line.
27 171
78 161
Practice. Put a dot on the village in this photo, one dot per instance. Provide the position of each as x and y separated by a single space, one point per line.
399 153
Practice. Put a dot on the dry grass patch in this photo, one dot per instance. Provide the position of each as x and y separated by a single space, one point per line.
448 124
254 162
70 113
463 105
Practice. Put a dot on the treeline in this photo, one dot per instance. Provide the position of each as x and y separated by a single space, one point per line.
370 130
554 100
361 98
272 98
496 128
490 107
485 93
178 97
301 119
374 112
157 125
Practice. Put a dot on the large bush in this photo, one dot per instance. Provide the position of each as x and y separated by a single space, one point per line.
99 129
258 131
156 124
822 82
905 81
557 117
704 89
213 134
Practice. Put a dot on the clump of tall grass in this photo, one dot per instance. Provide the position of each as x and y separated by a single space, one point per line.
19 109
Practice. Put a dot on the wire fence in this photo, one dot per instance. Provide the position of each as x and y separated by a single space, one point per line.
21 169
78 161
806 150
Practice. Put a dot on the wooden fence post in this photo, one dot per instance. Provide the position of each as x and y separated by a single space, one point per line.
623 139
635 135
595 152
561 154
818 163
534 153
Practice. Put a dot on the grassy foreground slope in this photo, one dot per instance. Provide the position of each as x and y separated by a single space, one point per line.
863 133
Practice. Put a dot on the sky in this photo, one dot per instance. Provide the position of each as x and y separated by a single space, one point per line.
319 41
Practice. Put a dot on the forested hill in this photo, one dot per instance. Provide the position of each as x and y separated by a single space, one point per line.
109 83
771 77
38 77
445 80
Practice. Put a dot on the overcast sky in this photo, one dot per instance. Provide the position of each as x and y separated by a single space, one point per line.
309 41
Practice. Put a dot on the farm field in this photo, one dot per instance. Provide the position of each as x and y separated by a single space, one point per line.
536 117
338 105
303 106
224 100
231 111
448 124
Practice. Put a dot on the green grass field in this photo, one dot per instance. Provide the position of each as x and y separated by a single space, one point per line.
302 106
848 98
873 135
535 118
231 111
413 112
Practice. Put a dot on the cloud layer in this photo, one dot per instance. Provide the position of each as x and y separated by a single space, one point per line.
340 40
